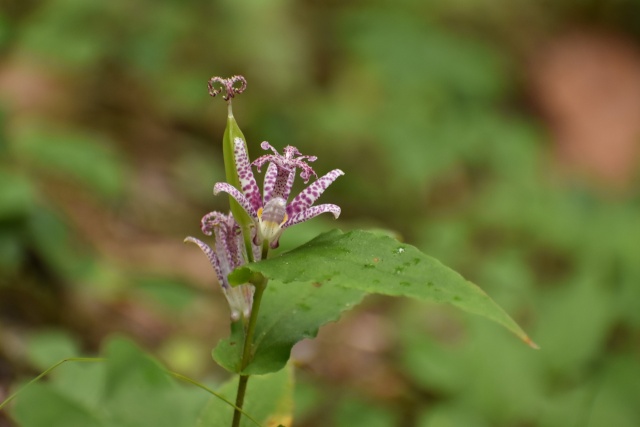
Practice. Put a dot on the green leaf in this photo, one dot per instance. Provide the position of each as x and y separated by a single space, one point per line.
54 409
289 313
353 411
268 400
86 158
47 347
139 392
130 389
343 262
17 195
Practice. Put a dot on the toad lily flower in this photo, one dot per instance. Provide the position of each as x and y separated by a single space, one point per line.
229 254
272 213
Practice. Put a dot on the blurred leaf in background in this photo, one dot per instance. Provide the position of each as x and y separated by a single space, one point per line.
127 389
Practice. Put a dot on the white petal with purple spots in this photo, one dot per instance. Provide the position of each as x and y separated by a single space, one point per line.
269 183
312 212
210 255
309 195
245 174
240 198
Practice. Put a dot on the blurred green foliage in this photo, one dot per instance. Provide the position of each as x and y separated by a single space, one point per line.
105 125
127 389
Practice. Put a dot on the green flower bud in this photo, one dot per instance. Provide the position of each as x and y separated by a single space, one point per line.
232 131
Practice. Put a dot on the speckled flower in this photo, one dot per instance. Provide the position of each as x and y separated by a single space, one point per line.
271 212
229 253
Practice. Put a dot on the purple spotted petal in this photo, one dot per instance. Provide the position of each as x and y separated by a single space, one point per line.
245 174
269 183
240 298
256 249
311 212
277 182
210 255
284 184
309 195
229 245
240 198
227 251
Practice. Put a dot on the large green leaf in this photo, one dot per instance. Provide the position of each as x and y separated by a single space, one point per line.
321 275
289 313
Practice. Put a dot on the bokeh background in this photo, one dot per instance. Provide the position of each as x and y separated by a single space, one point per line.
499 136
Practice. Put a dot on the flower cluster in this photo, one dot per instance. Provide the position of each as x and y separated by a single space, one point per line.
271 212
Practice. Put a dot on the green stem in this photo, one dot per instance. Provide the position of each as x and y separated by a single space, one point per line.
218 395
242 388
248 343
247 350
246 235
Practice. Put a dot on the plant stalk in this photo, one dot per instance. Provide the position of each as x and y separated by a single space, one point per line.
242 388
247 350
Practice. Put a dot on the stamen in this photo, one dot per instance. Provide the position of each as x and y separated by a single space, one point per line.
231 86
292 159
